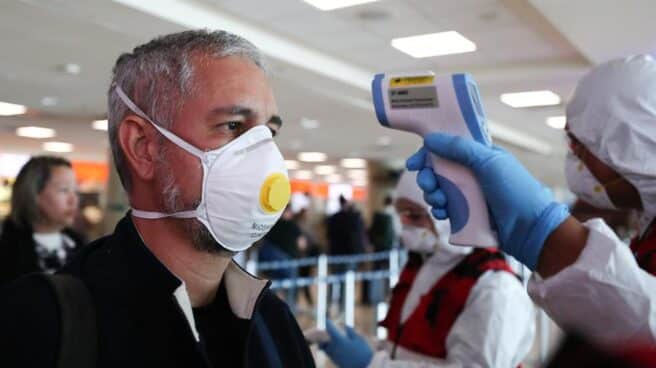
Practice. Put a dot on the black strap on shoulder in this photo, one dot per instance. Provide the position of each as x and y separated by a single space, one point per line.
79 338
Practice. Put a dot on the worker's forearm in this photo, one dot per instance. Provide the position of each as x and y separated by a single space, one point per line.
563 247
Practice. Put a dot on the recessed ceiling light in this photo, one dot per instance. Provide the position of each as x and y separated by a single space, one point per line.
357 174
100 125
291 164
434 44
194 14
530 98
334 178
35 132
11 164
72 68
557 122
60 147
324 169
309 123
9 109
312 156
303 175
336 4
49 101
354 163
384 141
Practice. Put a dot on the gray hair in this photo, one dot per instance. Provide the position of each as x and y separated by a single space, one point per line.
30 182
158 77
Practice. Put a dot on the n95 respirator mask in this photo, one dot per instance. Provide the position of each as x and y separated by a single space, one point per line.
245 185
418 239
584 185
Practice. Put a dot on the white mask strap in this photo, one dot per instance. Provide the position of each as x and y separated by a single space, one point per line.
172 137
159 215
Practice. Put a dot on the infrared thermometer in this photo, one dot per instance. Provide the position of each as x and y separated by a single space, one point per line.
424 103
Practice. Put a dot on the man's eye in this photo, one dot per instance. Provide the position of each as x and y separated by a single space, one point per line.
231 126
234 125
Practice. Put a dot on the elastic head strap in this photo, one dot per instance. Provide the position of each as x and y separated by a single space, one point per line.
159 215
170 136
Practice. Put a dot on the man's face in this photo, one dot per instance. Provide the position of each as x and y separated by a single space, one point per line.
231 95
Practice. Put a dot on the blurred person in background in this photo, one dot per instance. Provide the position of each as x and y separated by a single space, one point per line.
346 235
382 236
453 306
389 209
286 235
284 242
382 231
310 248
345 230
37 235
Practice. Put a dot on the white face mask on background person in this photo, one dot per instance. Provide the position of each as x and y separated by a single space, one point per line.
582 183
245 185
418 239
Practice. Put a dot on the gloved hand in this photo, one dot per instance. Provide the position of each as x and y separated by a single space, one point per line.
346 351
522 209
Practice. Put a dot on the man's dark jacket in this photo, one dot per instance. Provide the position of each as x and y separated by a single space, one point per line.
140 322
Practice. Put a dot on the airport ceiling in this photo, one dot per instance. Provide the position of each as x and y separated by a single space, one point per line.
321 62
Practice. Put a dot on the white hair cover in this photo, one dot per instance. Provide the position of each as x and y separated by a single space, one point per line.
613 113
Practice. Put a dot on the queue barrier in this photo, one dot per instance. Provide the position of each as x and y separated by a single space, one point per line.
311 261
332 279
396 258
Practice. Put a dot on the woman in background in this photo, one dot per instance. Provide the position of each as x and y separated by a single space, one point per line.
36 237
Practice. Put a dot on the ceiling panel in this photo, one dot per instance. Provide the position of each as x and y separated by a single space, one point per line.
518 49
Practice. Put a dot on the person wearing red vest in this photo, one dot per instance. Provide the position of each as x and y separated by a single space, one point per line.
453 306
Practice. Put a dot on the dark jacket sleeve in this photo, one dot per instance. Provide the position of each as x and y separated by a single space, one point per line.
292 348
29 323
17 254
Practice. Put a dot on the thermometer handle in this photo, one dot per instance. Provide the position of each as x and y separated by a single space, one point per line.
466 206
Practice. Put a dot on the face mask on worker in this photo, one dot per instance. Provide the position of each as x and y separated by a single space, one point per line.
245 185
585 185
419 239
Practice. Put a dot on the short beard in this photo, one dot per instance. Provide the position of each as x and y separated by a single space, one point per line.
201 239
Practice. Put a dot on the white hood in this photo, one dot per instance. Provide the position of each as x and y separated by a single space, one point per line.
613 113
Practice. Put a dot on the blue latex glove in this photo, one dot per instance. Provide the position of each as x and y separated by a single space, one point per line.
346 351
522 209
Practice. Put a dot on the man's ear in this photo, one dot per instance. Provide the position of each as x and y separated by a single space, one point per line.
138 140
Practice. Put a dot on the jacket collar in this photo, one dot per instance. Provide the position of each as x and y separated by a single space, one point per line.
148 273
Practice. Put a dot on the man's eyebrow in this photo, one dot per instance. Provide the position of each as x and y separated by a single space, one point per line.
232 110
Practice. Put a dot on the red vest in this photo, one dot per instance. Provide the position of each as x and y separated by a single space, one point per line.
427 328
644 250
